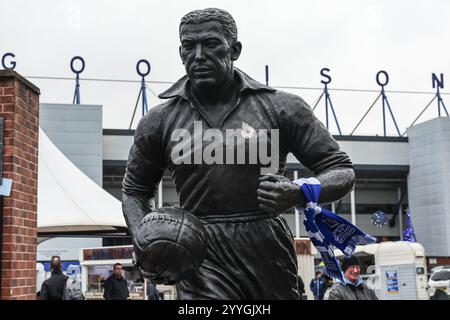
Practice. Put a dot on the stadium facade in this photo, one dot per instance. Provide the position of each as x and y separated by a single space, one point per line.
390 174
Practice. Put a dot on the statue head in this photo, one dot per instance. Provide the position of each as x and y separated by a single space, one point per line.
209 47
223 17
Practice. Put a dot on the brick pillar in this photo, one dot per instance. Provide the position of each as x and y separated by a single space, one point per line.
19 107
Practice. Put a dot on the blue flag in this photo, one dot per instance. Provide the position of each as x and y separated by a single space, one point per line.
327 230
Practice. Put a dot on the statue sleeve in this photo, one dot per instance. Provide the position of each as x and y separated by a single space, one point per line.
308 139
144 166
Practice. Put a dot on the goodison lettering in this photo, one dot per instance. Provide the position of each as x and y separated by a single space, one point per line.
5 60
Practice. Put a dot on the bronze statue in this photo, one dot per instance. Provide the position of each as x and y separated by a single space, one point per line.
213 135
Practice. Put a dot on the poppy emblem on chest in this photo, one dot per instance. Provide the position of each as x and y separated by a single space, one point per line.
247 131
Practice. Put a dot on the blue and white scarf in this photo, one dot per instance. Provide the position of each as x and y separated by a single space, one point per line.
327 230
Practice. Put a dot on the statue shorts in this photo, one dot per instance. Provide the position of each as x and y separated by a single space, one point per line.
249 257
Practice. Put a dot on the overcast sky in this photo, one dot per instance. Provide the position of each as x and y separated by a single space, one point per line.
354 38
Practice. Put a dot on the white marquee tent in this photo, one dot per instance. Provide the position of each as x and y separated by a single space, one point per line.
68 200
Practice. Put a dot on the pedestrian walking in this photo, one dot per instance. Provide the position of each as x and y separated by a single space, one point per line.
53 287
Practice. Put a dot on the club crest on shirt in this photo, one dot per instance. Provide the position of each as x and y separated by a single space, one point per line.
247 131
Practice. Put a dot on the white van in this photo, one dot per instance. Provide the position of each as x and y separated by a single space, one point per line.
396 270
439 284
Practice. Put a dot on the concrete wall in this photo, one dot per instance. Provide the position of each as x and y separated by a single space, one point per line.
429 184
376 152
116 147
363 152
77 131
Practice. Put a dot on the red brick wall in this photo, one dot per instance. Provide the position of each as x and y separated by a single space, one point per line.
19 106
303 246
439 261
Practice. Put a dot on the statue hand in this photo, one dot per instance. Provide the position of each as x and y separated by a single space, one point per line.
277 194
155 278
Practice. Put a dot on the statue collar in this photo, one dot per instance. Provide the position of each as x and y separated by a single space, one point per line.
179 88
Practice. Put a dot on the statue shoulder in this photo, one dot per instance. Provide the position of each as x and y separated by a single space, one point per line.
287 104
290 108
153 122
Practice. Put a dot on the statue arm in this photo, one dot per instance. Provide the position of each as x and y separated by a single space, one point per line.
313 145
143 173
134 209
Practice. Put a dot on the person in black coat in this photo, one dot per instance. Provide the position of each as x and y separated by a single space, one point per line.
53 287
116 287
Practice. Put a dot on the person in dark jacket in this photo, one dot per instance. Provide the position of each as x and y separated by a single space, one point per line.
318 286
353 287
53 287
116 287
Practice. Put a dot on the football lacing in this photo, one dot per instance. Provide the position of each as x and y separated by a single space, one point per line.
160 217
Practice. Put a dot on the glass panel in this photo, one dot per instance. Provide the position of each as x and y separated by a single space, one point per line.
441 275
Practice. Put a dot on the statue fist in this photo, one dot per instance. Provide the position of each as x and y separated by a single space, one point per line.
277 194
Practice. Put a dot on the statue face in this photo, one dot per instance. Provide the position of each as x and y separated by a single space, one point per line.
206 54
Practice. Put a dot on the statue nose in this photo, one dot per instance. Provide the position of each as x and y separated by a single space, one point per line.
199 54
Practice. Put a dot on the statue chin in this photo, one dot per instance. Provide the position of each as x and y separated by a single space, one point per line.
204 83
